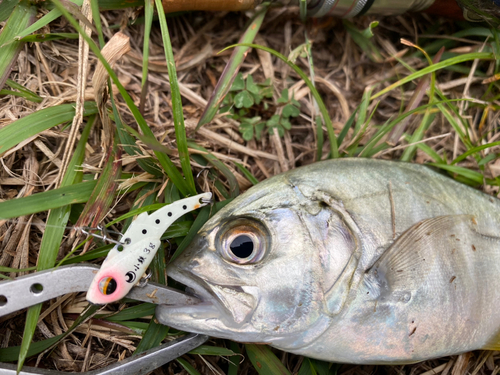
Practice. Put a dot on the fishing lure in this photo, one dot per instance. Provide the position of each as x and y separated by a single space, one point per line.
129 259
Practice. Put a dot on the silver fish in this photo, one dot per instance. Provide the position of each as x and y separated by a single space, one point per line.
352 260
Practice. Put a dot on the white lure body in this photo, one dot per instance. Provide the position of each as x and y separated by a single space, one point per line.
128 261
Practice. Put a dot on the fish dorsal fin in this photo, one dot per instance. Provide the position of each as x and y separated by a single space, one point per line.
407 262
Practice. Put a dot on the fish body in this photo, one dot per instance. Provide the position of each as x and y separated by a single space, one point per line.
350 260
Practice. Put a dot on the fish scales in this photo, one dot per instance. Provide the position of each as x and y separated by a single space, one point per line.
350 260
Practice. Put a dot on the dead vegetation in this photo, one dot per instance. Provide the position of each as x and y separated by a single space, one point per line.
344 73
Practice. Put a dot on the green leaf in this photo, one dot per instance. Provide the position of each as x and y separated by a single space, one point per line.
48 200
153 336
37 122
251 86
232 67
246 130
201 219
258 130
362 39
286 124
239 83
264 360
465 172
435 67
11 354
167 164
134 312
21 17
212 350
243 100
257 98
187 366
180 129
52 238
273 121
368 32
6 7
24 92
283 99
48 37
247 173
44 21
334 150
290 111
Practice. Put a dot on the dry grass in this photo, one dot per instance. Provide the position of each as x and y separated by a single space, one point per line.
343 74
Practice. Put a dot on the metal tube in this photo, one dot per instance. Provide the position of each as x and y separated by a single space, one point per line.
353 8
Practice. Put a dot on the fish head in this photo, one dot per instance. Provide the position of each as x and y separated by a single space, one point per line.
263 267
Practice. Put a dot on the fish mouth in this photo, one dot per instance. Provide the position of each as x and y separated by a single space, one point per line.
230 303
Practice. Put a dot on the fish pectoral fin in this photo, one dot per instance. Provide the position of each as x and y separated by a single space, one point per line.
493 343
406 263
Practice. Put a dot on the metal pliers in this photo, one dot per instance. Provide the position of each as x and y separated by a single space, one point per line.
42 286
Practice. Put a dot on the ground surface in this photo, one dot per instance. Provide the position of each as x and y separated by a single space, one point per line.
344 73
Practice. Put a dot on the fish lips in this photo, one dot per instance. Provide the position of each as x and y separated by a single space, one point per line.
231 304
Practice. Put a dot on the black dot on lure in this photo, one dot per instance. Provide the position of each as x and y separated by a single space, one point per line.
144 231
184 207
169 214
157 221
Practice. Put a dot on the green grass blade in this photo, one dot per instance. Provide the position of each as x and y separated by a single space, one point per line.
212 350
202 217
12 353
103 194
247 174
28 126
21 17
155 332
25 93
188 367
44 21
180 129
19 94
129 143
264 360
436 67
134 312
465 172
39 38
474 150
234 188
362 39
167 164
52 237
324 112
148 22
96 17
234 361
6 7
418 135
231 69
48 200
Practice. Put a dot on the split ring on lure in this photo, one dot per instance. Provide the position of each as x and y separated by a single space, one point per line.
128 260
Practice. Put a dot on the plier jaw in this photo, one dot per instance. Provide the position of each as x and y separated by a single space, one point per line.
39 287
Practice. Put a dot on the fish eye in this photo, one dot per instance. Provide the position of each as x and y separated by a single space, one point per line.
243 242
242 246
